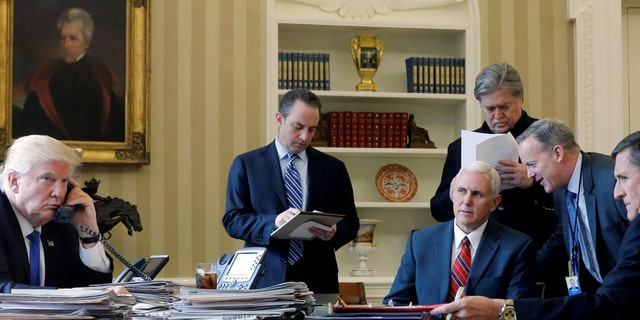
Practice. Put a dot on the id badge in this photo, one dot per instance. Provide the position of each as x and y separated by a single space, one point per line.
573 285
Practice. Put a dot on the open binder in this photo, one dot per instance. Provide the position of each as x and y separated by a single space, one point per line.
298 226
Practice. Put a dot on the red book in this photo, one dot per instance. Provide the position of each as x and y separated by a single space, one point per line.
348 127
340 129
404 128
384 128
361 129
368 129
333 129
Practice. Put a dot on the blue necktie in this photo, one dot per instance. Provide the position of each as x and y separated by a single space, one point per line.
294 197
34 254
574 229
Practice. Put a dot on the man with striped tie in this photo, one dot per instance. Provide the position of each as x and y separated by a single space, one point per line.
269 185
471 251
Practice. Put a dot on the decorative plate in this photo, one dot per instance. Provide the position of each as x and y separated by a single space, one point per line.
396 183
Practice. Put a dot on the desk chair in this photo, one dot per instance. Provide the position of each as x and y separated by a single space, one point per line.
352 292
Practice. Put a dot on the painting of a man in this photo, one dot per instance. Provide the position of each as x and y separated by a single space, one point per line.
72 96
368 57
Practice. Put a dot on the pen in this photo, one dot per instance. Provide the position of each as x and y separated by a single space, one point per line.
341 301
459 295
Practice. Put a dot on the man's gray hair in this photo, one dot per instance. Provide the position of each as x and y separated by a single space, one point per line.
29 151
551 132
73 14
483 167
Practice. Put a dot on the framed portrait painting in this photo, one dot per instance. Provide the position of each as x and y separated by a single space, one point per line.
77 70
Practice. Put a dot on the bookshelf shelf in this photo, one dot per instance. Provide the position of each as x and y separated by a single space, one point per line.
449 30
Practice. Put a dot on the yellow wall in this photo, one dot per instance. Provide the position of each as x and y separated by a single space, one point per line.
207 105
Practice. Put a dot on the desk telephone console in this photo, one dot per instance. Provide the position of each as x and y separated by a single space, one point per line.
241 270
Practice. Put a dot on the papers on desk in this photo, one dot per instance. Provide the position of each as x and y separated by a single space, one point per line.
379 312
66 303
154 297
490 148
274 301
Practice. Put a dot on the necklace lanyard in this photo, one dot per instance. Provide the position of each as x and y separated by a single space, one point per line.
573 225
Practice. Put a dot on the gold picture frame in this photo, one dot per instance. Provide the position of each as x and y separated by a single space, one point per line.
134 147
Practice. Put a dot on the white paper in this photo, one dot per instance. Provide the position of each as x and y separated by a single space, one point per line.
490 148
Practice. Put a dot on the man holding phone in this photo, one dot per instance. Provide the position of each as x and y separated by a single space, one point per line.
35 180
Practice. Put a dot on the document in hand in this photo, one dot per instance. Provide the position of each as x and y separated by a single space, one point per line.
298 226
490 148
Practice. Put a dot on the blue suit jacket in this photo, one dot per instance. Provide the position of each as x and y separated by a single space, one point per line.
501 267
617 298
256 195
60 243
607 217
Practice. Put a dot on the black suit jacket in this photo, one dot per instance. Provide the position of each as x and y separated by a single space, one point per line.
526 210
63 266
256 195
607 217
617 298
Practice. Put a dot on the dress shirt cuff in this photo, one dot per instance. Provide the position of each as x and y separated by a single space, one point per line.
95 258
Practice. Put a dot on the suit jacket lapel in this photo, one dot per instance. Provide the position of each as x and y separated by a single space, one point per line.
443 260
274 173
484 254
589 197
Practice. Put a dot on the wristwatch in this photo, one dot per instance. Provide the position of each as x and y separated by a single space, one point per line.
90 240
508 312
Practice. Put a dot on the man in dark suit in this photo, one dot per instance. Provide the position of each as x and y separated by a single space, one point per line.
619 294
34 181
257 201
526 208
591 239
502 258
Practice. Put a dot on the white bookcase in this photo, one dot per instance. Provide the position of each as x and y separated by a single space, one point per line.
420 28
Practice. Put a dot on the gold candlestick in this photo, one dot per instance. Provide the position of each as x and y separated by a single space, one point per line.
366 51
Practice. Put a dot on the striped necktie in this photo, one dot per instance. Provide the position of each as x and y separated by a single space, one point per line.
34 257
294 197
461 268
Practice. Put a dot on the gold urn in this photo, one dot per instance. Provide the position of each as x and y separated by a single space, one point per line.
366 51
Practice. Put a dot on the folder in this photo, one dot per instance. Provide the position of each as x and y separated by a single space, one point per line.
298 226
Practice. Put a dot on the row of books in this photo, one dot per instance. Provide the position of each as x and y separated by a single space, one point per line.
435 75
368 129
298 70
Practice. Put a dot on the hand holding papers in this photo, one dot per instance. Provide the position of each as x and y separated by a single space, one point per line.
490 148
298 226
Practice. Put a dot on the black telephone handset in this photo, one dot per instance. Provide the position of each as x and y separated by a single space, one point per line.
63 215
64 212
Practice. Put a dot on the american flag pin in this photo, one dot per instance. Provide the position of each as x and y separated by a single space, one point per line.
50 243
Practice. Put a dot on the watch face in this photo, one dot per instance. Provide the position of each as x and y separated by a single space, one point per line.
509 313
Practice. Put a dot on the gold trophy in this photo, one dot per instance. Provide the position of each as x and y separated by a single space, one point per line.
366 51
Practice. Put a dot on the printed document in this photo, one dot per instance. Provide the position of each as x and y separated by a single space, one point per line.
490 148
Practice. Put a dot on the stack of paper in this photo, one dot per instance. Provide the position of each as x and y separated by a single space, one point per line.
153 297
490 148
66 303
274 301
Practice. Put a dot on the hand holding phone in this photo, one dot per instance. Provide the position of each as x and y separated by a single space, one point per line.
78 208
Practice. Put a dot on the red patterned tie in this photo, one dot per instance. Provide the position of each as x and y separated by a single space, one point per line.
461 267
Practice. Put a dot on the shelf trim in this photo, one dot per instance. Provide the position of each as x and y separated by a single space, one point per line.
392 205
386 152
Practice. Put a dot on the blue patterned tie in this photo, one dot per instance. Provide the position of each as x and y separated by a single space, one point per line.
294 197
34 254
574 229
